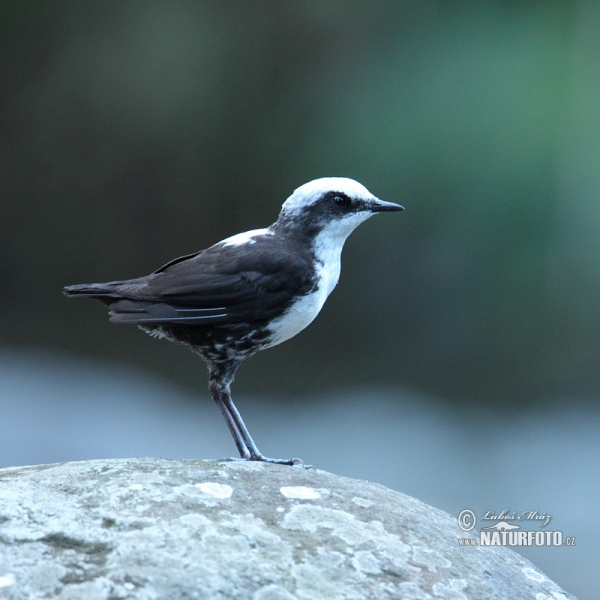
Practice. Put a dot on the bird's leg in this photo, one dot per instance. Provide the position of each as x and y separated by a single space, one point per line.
255 453
220 388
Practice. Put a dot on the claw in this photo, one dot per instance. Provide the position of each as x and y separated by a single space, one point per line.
298 462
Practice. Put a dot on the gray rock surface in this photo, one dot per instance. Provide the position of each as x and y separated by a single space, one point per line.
161 529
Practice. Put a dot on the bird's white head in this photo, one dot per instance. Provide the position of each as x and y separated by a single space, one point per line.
334 206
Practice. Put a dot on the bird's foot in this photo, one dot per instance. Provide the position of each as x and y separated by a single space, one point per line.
293 462
229 459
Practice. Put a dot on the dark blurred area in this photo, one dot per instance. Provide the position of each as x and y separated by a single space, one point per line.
134 132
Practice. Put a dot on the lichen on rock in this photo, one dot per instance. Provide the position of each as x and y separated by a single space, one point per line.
144 529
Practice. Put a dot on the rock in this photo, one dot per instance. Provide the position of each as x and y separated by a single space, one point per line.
162 529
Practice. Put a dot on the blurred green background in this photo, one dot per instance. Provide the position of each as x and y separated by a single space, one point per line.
133 132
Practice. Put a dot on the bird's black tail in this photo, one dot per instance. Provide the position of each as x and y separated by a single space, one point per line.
105 292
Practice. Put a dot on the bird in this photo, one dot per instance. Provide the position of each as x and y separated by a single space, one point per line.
248 292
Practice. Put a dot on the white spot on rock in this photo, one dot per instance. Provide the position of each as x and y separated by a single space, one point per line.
362 502
217 490
301 492
429 558
531 574
365 562
7 580
453 590
136 487
555 596
195 521
273 592
411 590
98 589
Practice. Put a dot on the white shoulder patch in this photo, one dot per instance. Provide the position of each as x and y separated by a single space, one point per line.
244 238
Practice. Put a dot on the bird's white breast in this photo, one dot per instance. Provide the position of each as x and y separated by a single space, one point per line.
327 247
297 317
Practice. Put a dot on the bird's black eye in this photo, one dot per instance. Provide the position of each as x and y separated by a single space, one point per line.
340 200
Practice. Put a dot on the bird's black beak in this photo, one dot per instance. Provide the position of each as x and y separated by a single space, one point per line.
382 206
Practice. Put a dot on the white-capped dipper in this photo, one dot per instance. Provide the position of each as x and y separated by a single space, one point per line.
249 292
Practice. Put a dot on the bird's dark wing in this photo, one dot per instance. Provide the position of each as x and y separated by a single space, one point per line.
218 286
